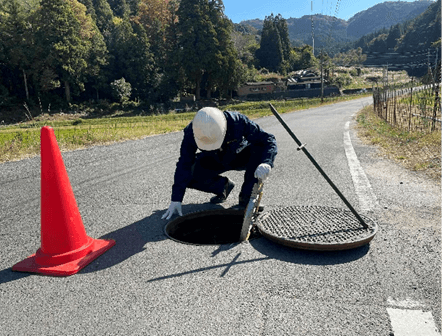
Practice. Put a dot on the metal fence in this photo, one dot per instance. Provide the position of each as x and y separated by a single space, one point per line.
412 109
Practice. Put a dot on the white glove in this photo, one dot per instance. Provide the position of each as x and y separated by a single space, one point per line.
263 171
174 206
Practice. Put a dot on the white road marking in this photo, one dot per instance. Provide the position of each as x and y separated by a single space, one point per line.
406 322
367 198
407 303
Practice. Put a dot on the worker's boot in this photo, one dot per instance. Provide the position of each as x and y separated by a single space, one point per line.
222 197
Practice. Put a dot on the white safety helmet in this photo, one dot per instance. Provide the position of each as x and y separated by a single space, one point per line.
209 128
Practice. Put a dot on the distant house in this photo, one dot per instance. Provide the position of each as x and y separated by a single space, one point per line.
256 88
303 85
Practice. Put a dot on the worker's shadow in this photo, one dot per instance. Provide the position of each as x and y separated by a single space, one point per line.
132 239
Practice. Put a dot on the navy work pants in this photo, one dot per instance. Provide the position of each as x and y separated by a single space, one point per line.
207 169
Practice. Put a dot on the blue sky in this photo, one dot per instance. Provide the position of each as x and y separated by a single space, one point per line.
239 10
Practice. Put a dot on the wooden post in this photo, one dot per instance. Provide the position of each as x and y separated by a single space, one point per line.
436 104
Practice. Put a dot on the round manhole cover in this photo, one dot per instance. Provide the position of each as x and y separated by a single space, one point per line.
316 228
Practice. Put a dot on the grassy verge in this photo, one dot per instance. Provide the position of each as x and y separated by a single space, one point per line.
74 132
414 150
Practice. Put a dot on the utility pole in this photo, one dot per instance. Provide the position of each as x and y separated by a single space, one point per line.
313 30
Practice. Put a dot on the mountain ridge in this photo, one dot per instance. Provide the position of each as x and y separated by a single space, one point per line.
329 29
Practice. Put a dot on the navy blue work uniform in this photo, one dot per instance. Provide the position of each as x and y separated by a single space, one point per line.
245 147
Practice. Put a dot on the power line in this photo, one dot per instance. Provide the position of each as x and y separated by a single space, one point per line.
334 22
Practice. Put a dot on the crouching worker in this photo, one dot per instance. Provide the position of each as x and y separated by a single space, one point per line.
226 141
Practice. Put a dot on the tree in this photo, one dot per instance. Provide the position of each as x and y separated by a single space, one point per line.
97 62
275 52
169 74
225 74
64 37
379 44
353 57
270 53
120 8
281 26
303 57
154 17
393 36
104 18
16 40
131 57
246 47
204 44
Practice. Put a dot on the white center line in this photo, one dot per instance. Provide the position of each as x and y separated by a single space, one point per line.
367 198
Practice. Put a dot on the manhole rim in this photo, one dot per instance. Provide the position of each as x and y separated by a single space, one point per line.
316 246
198 214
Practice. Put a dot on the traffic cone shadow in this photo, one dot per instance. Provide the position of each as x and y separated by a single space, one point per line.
65 246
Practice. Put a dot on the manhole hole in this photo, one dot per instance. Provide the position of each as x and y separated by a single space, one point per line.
316 228
211 227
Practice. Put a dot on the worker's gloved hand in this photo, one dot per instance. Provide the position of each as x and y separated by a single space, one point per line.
263 171
174 206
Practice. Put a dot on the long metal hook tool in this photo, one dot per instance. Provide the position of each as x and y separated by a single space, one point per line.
302 147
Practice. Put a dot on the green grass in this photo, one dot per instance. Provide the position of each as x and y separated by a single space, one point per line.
418 151
23 140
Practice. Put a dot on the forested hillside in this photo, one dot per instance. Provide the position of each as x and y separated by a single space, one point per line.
56 53
332 33
384 15
412 45
59 52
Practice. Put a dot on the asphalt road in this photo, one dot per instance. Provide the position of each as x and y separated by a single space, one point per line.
148 284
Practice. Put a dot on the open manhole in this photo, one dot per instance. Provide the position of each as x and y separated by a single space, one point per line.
211 227
304 227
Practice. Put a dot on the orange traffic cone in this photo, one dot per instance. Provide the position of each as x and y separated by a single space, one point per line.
65 247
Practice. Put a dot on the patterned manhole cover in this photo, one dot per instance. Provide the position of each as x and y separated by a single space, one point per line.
316 228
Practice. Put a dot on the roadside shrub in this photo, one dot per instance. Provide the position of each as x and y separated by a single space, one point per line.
354 72
121 90
342 80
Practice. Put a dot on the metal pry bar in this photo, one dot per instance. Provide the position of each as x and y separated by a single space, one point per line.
251 211
302 147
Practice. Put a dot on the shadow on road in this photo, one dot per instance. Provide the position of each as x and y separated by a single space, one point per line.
306 257
8 275
132 239
273 251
